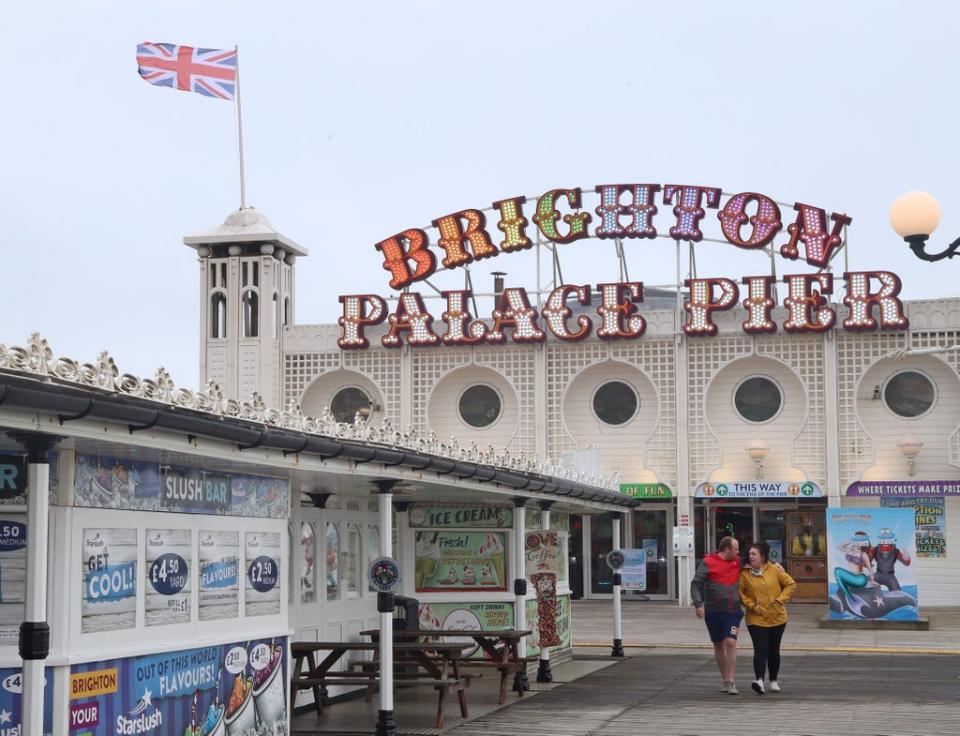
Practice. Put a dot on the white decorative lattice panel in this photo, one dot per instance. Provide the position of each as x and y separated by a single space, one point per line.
942 339
515 364
382 367
655 359
805 355
705 358
855 354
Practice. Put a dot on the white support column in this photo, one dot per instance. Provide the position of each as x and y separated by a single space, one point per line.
34 631
685 506
520 584
386 725
617 650
543 666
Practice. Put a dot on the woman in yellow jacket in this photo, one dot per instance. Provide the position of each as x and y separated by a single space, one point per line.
765 588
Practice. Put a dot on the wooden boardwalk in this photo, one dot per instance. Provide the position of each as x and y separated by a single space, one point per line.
673 694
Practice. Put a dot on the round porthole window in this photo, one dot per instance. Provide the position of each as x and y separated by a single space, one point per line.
480 406
615 403
347 402
758 399
909 394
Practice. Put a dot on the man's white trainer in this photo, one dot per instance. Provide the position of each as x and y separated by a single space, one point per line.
774 686
757 686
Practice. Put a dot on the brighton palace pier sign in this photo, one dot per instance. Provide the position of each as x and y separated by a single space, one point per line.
748 220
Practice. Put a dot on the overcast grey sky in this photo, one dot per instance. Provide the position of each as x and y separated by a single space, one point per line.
363 119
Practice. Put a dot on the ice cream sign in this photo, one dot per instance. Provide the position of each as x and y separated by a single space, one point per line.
748 221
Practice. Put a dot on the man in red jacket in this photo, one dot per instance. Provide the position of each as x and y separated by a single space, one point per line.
715 593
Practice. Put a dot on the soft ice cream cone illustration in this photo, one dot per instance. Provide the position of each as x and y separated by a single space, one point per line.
486 576
469 576
451 578
427 558
492 550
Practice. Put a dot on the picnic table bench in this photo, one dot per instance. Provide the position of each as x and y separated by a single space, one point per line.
440 662
501 650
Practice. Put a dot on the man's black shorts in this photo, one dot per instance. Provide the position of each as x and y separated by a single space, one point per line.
723 625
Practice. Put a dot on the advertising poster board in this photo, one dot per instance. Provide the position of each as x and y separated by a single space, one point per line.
466 617
122 483
563 626
460 561
871 552
930 518
108 567
224 689
168 593
633 574
263 578
11 701
13 575
219 575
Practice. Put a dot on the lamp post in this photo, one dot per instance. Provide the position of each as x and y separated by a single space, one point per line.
914 216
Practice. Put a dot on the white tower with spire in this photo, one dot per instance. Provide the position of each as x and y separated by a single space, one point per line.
246 299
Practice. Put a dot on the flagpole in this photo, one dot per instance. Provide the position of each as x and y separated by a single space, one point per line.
243 185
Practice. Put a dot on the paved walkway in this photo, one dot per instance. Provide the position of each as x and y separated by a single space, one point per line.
670 694
664 625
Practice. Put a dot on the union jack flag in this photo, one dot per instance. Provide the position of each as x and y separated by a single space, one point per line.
210 72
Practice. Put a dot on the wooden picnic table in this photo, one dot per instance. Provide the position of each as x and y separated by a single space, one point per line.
440 661
501 649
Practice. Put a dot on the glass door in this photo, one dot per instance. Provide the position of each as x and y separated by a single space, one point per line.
652 527
601 542
733 521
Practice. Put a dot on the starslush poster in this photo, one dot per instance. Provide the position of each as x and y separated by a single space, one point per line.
221 690
219 575
169 557
871 555
11 701
108 566
13 575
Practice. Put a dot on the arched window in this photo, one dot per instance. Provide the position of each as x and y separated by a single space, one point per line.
250 309
218 316
276 314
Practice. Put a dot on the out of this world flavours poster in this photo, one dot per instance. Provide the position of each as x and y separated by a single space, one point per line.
219 575
13 575
237 689
169 597
108 566
871 555
263 573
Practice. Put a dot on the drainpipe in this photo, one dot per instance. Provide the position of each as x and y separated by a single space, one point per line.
34 631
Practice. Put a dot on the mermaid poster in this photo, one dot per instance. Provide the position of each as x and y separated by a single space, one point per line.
871 560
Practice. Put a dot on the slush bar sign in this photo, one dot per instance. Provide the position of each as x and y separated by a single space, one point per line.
13 476
190 490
